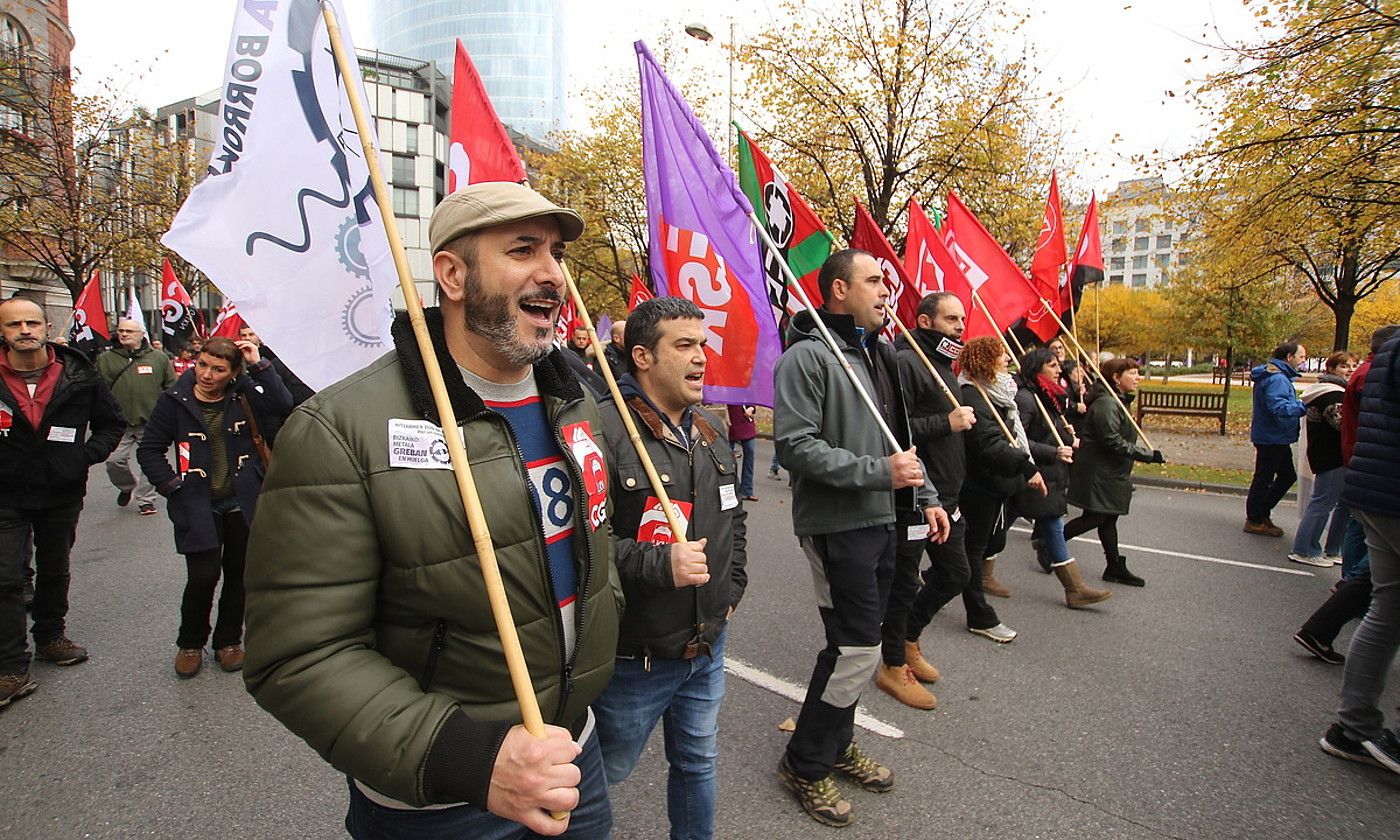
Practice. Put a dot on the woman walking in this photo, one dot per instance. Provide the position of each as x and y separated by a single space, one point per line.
1039 381
212 416
1323 454
1100 479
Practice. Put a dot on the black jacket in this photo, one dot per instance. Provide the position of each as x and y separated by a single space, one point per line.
1373 473
176 419
300 391
81 425
660 619
939 447
1045 450
995 466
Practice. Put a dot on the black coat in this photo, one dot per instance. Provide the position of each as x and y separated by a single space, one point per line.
939 447
176 419
995 466
1045 450
1373 473
41 468
1101 479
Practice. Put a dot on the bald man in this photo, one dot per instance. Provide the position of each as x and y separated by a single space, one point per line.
137 373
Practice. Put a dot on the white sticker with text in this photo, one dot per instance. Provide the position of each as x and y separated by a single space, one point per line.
63 434
417 445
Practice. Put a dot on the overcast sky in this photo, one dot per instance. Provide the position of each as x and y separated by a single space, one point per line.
1112 60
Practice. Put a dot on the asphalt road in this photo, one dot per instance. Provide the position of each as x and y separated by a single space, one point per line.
1182 710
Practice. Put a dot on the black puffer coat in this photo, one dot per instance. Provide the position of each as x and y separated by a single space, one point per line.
1045 450
1373 473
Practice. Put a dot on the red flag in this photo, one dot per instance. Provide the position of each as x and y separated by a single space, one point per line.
567 321
176 310
1087 266
1049 258
229 322
640 292
929 265
479 148
904 298
990 271
89 333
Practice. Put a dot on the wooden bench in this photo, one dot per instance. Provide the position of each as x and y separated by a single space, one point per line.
1183 403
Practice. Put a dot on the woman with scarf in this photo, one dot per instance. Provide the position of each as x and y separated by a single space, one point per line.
1100 480
1322 455
1039 382
997 469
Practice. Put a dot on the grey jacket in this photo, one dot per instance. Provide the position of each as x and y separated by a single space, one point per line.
827 439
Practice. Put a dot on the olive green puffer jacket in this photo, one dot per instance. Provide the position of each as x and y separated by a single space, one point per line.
369 631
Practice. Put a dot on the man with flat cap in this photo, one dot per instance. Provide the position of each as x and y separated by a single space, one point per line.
369 630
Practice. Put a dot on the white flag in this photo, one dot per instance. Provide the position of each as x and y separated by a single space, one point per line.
133 310
286 224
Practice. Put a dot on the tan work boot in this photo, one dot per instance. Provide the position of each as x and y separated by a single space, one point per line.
898 682
1077 594
922 668
990 584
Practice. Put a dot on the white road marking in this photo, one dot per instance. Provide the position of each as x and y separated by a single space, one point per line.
1204 559
796 693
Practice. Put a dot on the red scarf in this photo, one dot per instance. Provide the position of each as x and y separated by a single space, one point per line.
1054 390
32 407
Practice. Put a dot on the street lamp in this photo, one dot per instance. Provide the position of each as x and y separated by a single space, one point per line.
702 33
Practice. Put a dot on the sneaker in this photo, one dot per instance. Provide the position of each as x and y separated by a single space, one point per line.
188 661
1385 749
773 474
15 686
1335 559
123 498
1265 528
821 799
1336 742
1318 649
862 769
230 658
1000 633
899 682
62 651
146 508
1319 561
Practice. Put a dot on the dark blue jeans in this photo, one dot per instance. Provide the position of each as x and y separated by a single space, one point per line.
746 468
591 820
685 695
53 529
1273 475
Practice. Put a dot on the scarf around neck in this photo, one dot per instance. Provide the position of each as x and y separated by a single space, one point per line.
1002 393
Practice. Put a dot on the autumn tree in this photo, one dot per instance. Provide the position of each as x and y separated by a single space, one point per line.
1303 172
887 99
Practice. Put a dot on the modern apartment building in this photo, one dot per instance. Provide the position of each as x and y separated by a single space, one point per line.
1144 233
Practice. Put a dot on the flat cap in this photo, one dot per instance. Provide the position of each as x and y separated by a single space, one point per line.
491 203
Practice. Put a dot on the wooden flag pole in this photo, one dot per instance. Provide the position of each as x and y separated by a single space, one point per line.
991 406
633 435
1044 414
461 469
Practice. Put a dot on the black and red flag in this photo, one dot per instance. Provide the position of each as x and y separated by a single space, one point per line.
89 333
1087 266
177 312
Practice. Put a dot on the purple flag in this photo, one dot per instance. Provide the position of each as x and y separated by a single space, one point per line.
604 328
703 247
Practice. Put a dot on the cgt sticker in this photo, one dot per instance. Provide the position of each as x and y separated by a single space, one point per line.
654 527
579 438
7 420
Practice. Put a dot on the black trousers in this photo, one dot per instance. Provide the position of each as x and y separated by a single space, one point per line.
53 531
851 571
912 606
204 568
1273 475
983 535
1348 603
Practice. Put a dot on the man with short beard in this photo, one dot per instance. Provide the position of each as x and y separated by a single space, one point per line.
369 630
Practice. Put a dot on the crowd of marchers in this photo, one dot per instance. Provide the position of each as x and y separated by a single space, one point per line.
354 601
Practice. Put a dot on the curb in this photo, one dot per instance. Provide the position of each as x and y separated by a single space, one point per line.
1200 486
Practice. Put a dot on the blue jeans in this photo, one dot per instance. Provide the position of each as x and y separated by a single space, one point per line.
746 469
591 820
1050 530
1326 490
685 696
1374 645
1355 558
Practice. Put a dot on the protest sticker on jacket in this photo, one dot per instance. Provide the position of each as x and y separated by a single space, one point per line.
655 529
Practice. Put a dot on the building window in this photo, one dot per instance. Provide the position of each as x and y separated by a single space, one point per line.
403 171
1115 279
1120 227
1162 260
1140 243
1118 245
1139 280
1164 242
11 120
1140 261
1115 263
1144 225
411 140
406 202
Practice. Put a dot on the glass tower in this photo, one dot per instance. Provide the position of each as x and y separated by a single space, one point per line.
516 45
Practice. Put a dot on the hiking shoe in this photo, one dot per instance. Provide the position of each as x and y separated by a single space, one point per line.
146 508
821 799
1318 649
15 686
1319 561
863 770
898 681
1265 528
188 661
62 651
1385 749
1000 633
230 658
123 498
1336 742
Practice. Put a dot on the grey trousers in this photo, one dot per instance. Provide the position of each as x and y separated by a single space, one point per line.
1374 645
123 471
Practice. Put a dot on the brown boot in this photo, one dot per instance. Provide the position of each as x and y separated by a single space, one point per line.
990 584
922 668
1076 593
898 682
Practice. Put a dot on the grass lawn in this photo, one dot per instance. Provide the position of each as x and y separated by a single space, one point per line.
1238 408
1191 472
